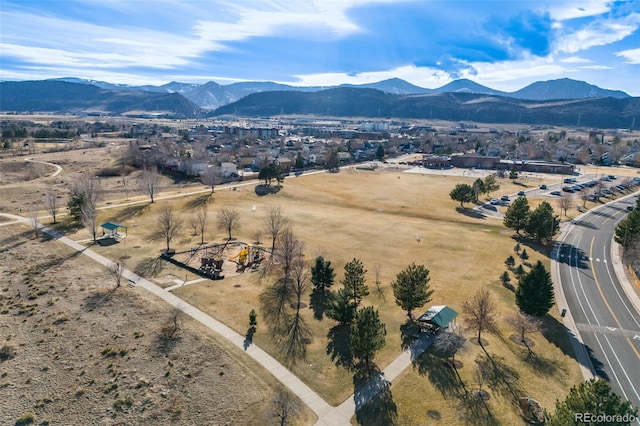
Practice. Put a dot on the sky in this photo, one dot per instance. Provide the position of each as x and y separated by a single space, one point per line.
505 44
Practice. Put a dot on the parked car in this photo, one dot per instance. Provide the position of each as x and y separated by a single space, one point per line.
521 193
504 198
568 189
543 186
494 201
556 193
630 208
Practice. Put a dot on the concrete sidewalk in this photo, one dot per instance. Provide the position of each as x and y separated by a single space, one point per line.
308 396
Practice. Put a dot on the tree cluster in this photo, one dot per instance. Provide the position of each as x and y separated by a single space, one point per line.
540 223
271 172
465 193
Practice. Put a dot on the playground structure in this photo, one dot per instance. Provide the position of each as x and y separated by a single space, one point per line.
216 258
248 257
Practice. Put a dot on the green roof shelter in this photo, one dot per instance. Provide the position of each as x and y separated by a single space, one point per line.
113 227
438 317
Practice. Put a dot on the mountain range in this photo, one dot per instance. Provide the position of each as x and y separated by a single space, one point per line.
212 95
562 102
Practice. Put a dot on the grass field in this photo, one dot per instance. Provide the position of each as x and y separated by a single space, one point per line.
385 218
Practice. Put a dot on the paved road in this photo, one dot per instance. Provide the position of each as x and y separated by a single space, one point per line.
605 313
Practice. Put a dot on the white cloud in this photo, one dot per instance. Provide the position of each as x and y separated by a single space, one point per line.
631 56
596 67
598 33
420 76
574 60
566 10
268 18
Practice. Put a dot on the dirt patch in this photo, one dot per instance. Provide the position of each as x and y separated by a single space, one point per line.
85 352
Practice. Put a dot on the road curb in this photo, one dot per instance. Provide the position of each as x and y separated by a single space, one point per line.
577 344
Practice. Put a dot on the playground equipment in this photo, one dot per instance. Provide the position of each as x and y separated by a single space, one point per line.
212 267
248 257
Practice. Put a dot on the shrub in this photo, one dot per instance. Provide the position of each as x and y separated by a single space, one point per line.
123 402
26 419
109 351
7 352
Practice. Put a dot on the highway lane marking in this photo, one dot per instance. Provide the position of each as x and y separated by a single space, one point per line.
606 302
574 268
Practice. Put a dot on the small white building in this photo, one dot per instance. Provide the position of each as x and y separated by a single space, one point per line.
228 170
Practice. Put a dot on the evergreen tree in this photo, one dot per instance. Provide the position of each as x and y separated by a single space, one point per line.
542 223
380 152
411 288
339 307
504 278
510 262
75 204
367 334
534 295
517 214
519 271
490 184
478 189
593 397
354 282
322 274
524 255
463 193
513 174
628 228
299 161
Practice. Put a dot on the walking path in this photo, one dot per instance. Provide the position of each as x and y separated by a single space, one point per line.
58 167
327 415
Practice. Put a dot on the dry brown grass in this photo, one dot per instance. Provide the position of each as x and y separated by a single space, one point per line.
377 217
88 354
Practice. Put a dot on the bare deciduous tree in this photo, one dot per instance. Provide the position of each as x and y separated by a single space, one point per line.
288 251
377 269
565 202
201 220
228 220
90 186
193 223
51 202
296 335
170 328
450 343
480 313
150 182
284 407
256 236
89 218
169 224
211 177
275 222
34 220
524 324
116 269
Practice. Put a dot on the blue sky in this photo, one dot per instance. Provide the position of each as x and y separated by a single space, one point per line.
503 44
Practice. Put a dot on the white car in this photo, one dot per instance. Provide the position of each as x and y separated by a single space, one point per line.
494 201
